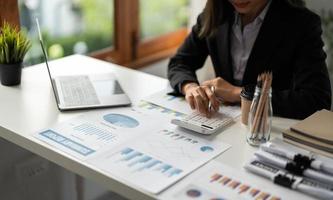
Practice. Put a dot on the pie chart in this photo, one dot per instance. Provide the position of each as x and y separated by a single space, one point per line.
121 120
193 193
207 149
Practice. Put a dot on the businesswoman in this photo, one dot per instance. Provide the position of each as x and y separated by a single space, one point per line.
247 37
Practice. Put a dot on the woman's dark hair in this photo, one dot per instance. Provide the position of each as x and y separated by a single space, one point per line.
216 11
213 14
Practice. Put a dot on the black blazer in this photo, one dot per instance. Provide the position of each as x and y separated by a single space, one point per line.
289 43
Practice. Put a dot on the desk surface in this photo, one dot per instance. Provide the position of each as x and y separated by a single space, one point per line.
31 107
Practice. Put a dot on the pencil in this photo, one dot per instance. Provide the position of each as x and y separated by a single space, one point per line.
261 114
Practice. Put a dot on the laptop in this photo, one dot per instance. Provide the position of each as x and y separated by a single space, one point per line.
85 91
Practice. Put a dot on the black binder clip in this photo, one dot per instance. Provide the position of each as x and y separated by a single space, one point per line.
284 181
305 161
300 164
295 168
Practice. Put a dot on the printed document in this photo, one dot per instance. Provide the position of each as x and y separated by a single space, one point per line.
94 132
218 181
138 145
156 160
179 104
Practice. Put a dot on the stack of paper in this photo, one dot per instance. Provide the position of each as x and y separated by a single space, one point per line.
314 133
136 145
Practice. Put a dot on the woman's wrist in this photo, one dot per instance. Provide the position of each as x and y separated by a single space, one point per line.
188 85
236 94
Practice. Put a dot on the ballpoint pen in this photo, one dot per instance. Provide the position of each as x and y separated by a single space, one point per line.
212 88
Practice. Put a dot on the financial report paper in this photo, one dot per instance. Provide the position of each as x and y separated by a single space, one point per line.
219 181
179 104
137 145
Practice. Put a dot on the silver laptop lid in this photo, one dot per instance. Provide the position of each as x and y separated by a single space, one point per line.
46 61
112 99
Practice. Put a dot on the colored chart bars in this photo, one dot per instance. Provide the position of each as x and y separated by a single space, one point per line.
173 98
243 189
138 162
178 136
151 106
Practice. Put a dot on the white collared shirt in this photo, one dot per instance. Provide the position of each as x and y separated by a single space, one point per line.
242 42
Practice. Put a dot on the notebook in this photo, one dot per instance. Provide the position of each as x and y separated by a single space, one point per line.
314 133
291 135
308 148
318 126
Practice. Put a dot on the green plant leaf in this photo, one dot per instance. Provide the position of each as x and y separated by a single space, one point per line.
13 44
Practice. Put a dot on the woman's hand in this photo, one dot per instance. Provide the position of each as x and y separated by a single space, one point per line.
224 90
199 97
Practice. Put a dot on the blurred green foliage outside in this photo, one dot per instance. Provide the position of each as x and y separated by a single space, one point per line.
162 16
157 17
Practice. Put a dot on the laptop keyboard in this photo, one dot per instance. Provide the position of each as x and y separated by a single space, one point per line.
78 91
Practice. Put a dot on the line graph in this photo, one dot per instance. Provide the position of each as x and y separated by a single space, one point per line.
182 147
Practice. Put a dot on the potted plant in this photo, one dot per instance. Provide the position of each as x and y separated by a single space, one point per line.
13 47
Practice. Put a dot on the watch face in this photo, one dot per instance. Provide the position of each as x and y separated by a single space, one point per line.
248 91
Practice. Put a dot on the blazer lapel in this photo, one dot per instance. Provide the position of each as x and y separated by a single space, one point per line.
223 52
268 38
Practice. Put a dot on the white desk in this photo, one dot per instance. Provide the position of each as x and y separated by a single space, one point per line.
30 107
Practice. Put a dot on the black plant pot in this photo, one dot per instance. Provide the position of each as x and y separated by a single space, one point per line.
10 74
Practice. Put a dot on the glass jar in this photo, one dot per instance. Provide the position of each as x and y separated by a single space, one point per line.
260 118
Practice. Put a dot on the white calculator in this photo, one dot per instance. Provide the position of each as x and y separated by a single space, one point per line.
201 124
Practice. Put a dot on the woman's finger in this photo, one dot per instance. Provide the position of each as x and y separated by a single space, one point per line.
204 97
190 100
212 98
199 102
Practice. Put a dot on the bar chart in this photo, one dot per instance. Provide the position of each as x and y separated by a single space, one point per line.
218 181
243 189
136 162
163 110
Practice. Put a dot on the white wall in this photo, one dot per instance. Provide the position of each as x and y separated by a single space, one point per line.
196 7
319 4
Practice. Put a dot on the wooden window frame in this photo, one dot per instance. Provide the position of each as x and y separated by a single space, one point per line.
152 50
128 49
9 12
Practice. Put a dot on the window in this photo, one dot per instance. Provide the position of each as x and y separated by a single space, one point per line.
68 27
162 17
128 32
163 27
